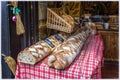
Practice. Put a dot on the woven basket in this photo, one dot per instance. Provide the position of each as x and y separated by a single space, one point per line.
55 21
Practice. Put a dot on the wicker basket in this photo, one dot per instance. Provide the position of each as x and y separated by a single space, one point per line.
55 21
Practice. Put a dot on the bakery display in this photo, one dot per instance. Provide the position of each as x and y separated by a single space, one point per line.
41 49
66 52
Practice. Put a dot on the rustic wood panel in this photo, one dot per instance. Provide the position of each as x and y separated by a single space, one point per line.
116 46
110 45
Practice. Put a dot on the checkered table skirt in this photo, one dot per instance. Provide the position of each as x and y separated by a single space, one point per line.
86 65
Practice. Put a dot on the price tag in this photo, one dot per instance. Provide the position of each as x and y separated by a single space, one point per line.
49 43
59 37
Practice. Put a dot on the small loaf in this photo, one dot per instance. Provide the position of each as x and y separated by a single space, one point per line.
68 19
92 27
66 52
41 49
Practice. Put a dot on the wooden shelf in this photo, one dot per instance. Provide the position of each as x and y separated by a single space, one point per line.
110 30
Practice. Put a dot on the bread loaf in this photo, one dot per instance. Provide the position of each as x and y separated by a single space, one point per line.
92 27
66 52
41 49
68 19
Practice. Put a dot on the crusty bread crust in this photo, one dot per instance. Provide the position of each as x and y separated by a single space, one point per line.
66 52
40 50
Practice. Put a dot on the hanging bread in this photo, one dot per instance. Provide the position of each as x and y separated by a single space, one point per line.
41 49
66 52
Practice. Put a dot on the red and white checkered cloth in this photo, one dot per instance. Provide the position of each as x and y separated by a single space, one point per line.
86 65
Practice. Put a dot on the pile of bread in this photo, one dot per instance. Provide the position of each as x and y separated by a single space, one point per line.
61 50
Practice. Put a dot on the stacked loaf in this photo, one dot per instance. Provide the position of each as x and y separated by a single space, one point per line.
41 49
65 53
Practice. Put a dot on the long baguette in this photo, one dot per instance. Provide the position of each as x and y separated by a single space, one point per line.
65 53
41 49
